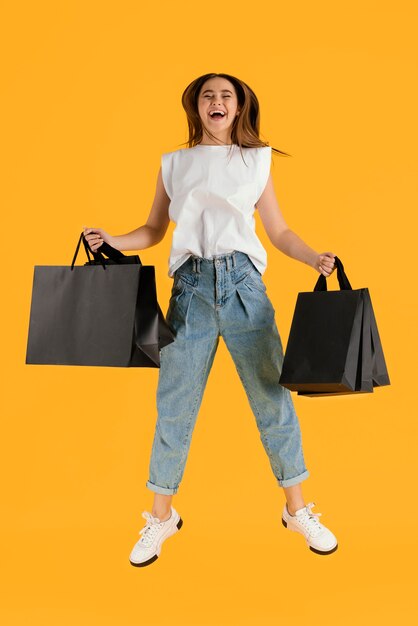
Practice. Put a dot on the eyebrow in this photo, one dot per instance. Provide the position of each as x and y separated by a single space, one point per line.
211 90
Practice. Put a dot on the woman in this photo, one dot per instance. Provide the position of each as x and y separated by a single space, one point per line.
210 190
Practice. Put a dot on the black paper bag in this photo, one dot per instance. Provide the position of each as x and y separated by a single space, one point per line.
103 313
334 346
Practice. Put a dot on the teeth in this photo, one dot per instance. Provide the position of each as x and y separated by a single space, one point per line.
212 112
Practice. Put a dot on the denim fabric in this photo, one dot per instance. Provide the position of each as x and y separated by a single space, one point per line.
224 296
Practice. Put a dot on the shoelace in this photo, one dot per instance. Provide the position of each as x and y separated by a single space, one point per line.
150 529
310 520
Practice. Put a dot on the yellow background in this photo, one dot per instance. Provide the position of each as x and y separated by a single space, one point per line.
90 99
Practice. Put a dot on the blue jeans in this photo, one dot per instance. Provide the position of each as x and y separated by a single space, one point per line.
224 296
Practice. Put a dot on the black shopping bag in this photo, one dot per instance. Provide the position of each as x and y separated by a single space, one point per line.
102 313
334 346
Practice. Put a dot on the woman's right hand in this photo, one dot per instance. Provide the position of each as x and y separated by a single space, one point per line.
95 237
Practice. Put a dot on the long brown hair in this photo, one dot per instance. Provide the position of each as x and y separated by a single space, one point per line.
246 126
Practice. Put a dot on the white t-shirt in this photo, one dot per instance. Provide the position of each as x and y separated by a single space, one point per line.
213 193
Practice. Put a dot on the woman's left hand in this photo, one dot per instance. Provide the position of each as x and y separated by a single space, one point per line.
325 263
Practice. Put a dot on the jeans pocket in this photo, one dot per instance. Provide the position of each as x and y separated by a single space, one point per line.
254 279
183 281
177 288
240 274
187 278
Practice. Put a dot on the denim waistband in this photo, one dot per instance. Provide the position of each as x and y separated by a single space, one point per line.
230 260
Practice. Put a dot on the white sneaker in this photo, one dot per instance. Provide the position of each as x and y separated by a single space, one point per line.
154 533
319 538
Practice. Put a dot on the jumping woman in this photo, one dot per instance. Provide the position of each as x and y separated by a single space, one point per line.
210 190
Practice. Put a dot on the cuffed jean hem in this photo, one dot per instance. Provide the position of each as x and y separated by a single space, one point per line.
289 482
165 491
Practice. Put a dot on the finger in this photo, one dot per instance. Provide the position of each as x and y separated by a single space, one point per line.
92 244
327 267
327 262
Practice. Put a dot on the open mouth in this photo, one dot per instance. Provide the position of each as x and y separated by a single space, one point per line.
217 115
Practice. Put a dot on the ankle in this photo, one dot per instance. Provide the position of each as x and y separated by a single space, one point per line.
163 516
292 510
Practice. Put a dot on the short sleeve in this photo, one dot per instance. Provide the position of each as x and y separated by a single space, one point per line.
166 172
263 168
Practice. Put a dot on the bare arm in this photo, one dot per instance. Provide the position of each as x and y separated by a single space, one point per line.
284 239
153 231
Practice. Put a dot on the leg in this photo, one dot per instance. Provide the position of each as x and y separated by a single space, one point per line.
184 369
252 338
294 498
161 506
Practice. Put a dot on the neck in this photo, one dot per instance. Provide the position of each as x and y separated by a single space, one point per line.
222 140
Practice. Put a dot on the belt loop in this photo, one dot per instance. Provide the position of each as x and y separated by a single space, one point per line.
198 265
233 259
228 261
194 264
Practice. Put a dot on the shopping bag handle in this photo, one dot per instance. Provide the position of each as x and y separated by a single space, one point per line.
321 283
96 256
112 253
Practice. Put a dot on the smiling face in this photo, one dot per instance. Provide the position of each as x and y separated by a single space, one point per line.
218 107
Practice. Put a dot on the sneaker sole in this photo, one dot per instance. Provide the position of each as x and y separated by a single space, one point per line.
310 547
155 557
